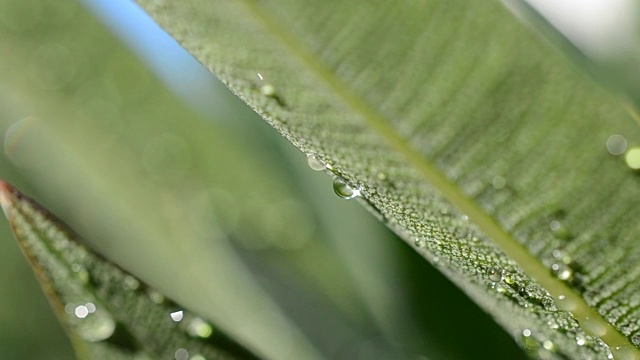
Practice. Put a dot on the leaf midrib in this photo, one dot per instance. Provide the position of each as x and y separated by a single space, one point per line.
448 189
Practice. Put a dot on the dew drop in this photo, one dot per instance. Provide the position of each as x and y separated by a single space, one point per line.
632 158
508 278
528 341
548 345
130 283
343 190
562 271
495 275
181 354
199 328
316 163
91 322
616 144
177 315
267 90
419 242
581 340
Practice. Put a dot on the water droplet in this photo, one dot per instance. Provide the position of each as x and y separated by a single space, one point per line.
343 190
616 144
562 256
495 275
549 345
91 322
632 158
581 340
498 182
594 327
130 283
528 341
155 296
181 354
464 218
562 271
316 163
199 328
267 90
177 315
508 278
419 242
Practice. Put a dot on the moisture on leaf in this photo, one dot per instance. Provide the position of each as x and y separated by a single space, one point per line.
108 313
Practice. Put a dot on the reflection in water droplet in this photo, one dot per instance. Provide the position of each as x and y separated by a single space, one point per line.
616 144
632 158
182 354
91 322
316 163
498 182
177 316
343 190
199 328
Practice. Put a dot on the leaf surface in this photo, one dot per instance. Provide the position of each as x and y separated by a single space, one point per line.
108 313
468 137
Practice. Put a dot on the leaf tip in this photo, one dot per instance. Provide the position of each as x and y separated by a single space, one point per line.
7 193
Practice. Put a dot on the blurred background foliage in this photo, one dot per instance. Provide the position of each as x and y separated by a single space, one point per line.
113 127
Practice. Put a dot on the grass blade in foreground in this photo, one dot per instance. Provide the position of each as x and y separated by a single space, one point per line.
108 313
467 137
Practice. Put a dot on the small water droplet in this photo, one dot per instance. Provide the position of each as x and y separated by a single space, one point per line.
581 340
181 354
343 190
267 90
419 242
316 163
155 296
130 283
498 182
632 158
177 315
199 328
559 230
495 275
562 271
549 345
508 278
616 144
528 341
565 304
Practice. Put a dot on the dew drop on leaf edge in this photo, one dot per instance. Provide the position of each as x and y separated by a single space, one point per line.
344 190
315 162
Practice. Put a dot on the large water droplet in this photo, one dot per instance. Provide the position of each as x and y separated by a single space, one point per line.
616 144
344 190
93 323
316 163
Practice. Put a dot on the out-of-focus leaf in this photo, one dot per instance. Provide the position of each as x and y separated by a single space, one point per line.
476 144
108 313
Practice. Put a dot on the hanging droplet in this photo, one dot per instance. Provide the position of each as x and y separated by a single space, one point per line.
616 144
343 190
316 163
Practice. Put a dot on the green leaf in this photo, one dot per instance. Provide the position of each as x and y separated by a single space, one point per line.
109 314
478 145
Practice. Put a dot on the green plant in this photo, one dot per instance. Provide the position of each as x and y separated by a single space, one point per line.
476 144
